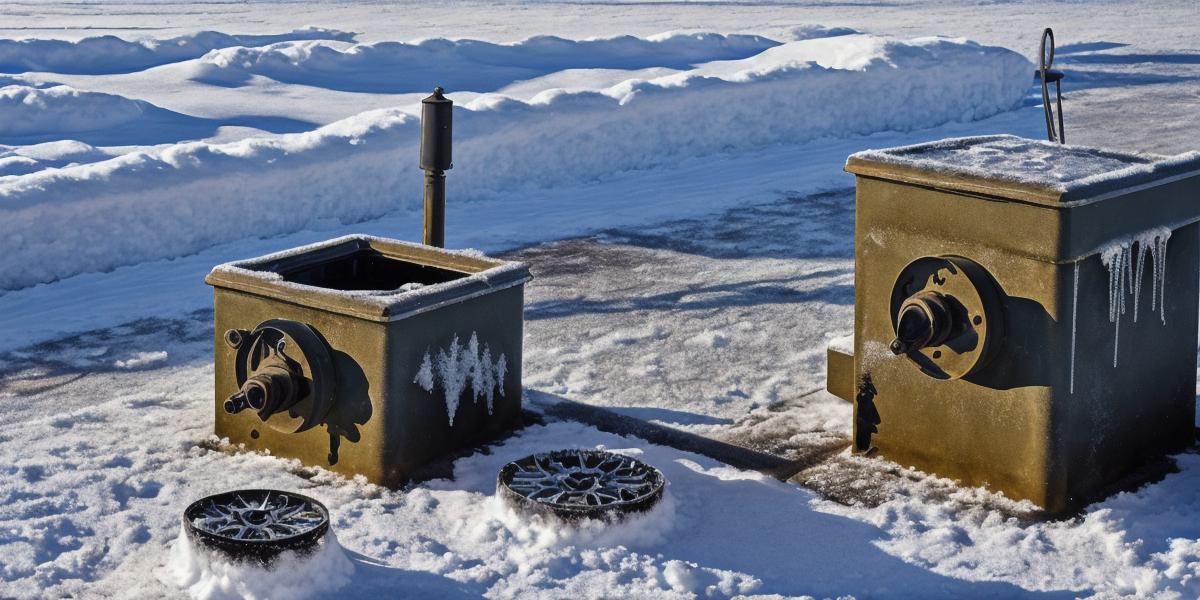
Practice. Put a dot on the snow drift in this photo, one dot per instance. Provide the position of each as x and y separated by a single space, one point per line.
175 200
27 110
463 65
111 54
207 575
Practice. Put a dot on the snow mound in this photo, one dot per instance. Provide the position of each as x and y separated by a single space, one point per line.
812 32
175 200
463 65
205 575
26 110
110 54
20 160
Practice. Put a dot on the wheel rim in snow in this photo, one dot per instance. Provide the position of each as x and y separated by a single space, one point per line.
256 524
575 484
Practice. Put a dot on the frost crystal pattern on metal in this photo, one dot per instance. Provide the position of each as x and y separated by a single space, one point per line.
581 483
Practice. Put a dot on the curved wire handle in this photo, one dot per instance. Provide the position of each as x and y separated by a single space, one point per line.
1045 59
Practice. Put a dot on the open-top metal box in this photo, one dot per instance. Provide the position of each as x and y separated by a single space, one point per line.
366 355
1025 312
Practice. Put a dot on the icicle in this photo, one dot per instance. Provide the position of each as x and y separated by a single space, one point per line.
1114 258
1137 281
1125 277
1074 312
1160 271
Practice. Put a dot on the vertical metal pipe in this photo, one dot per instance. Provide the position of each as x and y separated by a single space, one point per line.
434 232
437 116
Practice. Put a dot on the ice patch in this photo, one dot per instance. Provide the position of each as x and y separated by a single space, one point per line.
141 359
459 365
205 575
709 339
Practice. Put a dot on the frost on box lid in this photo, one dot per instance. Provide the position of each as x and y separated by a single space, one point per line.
1021 169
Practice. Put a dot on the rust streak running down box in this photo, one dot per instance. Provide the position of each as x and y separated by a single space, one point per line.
367 356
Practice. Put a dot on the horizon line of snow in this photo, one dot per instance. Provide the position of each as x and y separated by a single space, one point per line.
176 200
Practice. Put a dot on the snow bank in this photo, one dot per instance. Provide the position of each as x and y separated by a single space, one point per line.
463 65
27 110
205 575
110 54
176 200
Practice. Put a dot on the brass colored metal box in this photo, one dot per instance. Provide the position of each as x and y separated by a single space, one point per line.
1025 312
367 356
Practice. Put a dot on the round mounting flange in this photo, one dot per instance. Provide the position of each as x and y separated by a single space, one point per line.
579 484
256 524
293 357
959 303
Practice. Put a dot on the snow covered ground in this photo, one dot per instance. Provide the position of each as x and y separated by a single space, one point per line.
680 200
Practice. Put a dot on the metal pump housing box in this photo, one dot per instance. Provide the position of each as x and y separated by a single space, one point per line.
1054 251
398 353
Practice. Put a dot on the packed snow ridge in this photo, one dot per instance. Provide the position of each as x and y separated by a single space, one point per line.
456 367
169 201
110 54
463 65
27 110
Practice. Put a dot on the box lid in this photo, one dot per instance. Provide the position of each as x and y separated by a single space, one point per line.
1023 170
474 275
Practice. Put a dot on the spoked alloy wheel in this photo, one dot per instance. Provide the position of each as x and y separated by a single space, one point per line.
577 484
256 524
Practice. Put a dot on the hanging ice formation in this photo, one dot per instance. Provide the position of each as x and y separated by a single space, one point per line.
1126 262
456 367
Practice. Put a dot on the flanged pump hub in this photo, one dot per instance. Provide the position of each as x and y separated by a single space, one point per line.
256 524
286 375
579 484
947 314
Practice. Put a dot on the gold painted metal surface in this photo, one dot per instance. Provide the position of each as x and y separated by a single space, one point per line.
1048 418
383 424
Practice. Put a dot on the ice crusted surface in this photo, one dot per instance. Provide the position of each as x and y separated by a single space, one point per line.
458 366
178 199
1057 167
206 575
1126 261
